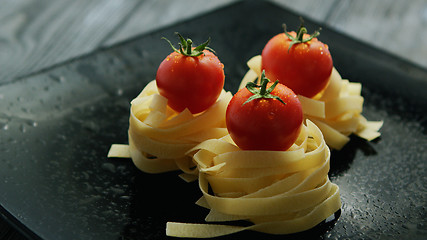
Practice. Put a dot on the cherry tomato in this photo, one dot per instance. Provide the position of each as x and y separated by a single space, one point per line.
299 61
190 77
264 119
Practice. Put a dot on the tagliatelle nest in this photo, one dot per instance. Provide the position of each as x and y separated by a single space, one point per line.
337 110
159 137
280 192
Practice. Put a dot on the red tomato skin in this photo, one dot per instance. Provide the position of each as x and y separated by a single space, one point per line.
305 68
190 82
264 124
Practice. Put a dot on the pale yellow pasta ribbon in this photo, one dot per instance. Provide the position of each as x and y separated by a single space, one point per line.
280 192
159 137
337 110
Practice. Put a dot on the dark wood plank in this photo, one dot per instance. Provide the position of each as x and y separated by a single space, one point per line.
38 34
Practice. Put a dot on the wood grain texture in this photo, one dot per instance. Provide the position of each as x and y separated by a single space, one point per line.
154 14
397 27
38 34
316 10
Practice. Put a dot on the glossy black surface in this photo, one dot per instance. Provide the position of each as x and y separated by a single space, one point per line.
57 126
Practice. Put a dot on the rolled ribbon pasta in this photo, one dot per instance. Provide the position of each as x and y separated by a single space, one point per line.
159 137
337 110
279 192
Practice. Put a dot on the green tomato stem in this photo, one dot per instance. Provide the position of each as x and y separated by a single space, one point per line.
301 31
262 92
185 47
263 89
300 35
189 43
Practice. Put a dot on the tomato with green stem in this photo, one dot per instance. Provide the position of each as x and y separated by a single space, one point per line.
190 77
298 60
264 117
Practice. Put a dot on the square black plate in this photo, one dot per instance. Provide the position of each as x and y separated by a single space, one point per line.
57 127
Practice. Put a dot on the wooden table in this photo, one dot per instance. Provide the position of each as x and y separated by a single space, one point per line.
35 35
39 34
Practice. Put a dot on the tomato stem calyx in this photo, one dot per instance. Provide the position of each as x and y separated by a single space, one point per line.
300 34
261 91
185 46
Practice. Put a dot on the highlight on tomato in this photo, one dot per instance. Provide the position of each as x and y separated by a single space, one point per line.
298 60
190 77
264 117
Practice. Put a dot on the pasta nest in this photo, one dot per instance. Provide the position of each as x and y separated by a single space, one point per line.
160 137
336 110
280 192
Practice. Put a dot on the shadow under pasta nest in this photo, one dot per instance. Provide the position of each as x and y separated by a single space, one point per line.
165 197
341 160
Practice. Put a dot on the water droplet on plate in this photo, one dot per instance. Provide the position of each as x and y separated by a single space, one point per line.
117 191
22 128
109 167
125 197
33 124
119 92
4 126
88 187
59 79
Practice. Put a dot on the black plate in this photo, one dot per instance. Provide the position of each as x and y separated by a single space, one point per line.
57 127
